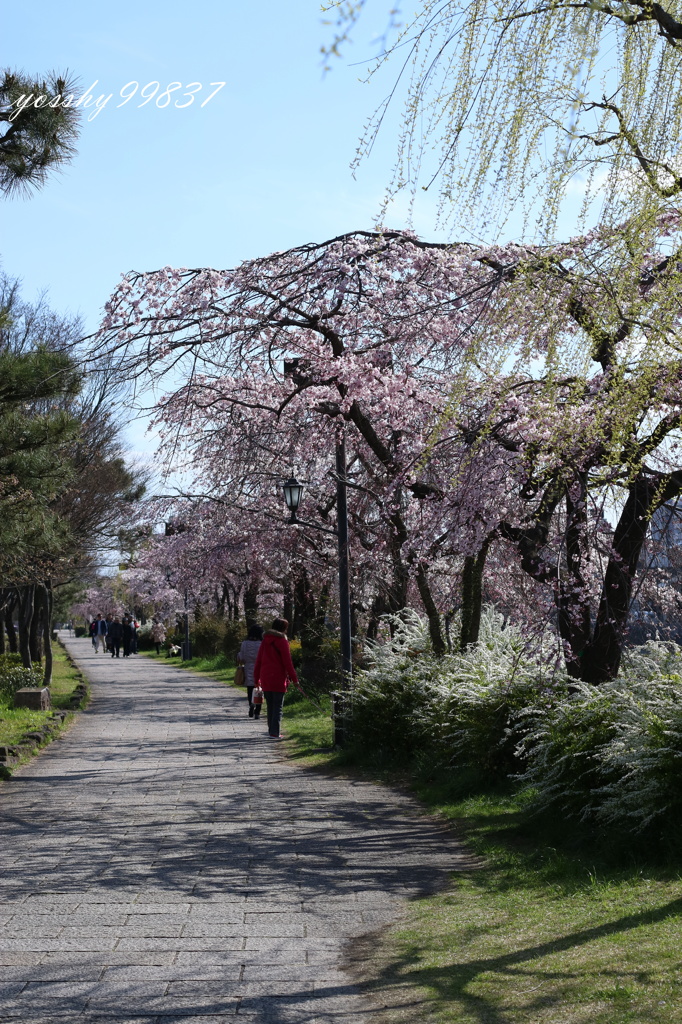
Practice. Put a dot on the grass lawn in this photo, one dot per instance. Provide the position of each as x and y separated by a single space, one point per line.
14 722
541 933
536 934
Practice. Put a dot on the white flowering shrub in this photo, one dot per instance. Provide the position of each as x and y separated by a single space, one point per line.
609 756
388 696
457 710
612 755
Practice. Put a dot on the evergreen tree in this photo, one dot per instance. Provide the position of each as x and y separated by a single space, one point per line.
38 136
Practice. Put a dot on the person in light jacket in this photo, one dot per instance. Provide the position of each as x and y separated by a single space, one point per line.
273 671
158 634
101 634
248 653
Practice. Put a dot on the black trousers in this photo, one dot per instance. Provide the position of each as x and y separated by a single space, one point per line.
275 703
115 648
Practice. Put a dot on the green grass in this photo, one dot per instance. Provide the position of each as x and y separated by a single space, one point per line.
536 933
14 722
218 667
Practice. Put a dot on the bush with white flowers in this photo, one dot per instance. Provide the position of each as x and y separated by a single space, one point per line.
609 755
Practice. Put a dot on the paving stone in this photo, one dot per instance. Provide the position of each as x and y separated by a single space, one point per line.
163 864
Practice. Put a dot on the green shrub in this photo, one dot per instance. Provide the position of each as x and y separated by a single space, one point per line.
144 637
389 697
318 661
608 756
208 636
14 677
611 756
235 632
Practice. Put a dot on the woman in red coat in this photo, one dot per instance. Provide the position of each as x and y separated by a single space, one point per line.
272 671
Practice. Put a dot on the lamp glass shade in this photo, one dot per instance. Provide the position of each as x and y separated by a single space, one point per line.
293 492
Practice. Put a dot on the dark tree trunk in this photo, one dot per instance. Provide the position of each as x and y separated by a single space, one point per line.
472 596
304 603
433 615
35 632
323 605
251 593
573 610
48 601
2 633
600 660
25 609
288 605
377 609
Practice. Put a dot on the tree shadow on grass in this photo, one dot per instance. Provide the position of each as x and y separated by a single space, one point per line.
391 984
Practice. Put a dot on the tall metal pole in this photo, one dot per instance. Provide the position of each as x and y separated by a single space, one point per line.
188 644
344 585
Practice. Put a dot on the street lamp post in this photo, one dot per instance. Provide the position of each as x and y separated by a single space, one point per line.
187 646
293 492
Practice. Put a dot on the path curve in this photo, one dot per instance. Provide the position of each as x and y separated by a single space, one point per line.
162 863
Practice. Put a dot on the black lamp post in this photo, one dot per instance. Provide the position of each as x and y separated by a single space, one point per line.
293 491
187 646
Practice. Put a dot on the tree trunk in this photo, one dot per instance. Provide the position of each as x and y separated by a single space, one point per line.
433 615
600 660
472 596
36 627
251 592
2 633
570 595
288 603
377 609
25 609
48 602
304 603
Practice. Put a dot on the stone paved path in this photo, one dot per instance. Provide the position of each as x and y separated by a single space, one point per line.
163 864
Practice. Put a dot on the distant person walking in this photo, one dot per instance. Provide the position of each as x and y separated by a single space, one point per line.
100 634
158 634
128 635
115 637
272 672
110 622
246 656
92 629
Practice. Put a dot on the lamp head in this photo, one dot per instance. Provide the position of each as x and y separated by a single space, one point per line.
293 491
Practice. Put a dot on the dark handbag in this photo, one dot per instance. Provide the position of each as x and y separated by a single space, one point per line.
240 676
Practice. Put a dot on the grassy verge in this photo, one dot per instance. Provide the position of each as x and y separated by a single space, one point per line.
218 666
538 933
14 722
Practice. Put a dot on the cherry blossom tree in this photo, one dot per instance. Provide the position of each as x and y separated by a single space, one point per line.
504 394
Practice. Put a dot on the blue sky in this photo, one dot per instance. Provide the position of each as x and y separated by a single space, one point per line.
263 166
